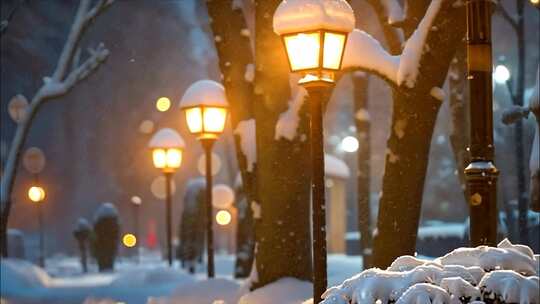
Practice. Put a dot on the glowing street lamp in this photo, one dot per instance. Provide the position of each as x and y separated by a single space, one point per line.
205 106
129 240
314 34
501 74
37 195
223 217
167 147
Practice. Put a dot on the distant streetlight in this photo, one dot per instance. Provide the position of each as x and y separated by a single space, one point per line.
163 104
349 144
205 107
223 217
129 240
37 195
314 39
501 74
167 148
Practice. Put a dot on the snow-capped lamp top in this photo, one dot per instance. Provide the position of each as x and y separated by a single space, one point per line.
335 167
106 210
204 93
294 16
166 138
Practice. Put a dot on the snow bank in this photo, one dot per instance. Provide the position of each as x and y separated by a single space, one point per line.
166 138
362 50
457 277
301 15
283 291
18 276
204 92
246 130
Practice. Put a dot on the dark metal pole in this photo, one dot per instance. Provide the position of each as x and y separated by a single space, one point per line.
136 218
41 236
481 173
318 197
207 144
168 176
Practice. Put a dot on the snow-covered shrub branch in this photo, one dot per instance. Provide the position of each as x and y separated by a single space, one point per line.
462 276
65 76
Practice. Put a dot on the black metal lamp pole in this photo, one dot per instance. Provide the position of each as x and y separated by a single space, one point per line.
481 174
136 219
316 97
207 144
168 176
41 236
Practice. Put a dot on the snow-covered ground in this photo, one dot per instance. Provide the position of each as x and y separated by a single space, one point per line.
149 281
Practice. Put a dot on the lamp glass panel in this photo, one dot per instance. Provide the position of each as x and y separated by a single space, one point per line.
214 119
333 50
194 120
303 50
174 158
160 158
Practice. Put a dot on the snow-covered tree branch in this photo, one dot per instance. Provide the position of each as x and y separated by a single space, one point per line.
65 76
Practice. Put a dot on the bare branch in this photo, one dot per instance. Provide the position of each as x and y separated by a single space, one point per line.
97 9
506 16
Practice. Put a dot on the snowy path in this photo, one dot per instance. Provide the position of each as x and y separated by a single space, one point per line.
133 283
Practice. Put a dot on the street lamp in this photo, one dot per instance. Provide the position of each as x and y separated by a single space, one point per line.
37 194
167 148
501 74
136 202
314 34
205 107
481 174
350 144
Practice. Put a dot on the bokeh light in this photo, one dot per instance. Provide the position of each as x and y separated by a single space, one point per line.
349 144
129 240
36 194
163 104
223 217
501 74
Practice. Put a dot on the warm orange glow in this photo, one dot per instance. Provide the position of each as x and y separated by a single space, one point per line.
167 159
160 158
174 158
36 194
194 120
214 119
334 44
303 50
206 120
129 240
223 217
163 104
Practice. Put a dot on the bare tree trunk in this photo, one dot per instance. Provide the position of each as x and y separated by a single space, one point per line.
236 64
413 120
363 125
65 77
283 181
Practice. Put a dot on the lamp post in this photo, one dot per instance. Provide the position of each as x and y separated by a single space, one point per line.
36 194
314 39
481 173
205 107
167 148
136 201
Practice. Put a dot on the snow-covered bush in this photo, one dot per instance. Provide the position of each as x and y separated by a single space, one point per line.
106 236
507 273
82 233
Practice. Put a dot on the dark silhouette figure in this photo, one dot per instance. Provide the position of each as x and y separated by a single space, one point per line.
106 236
82 234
